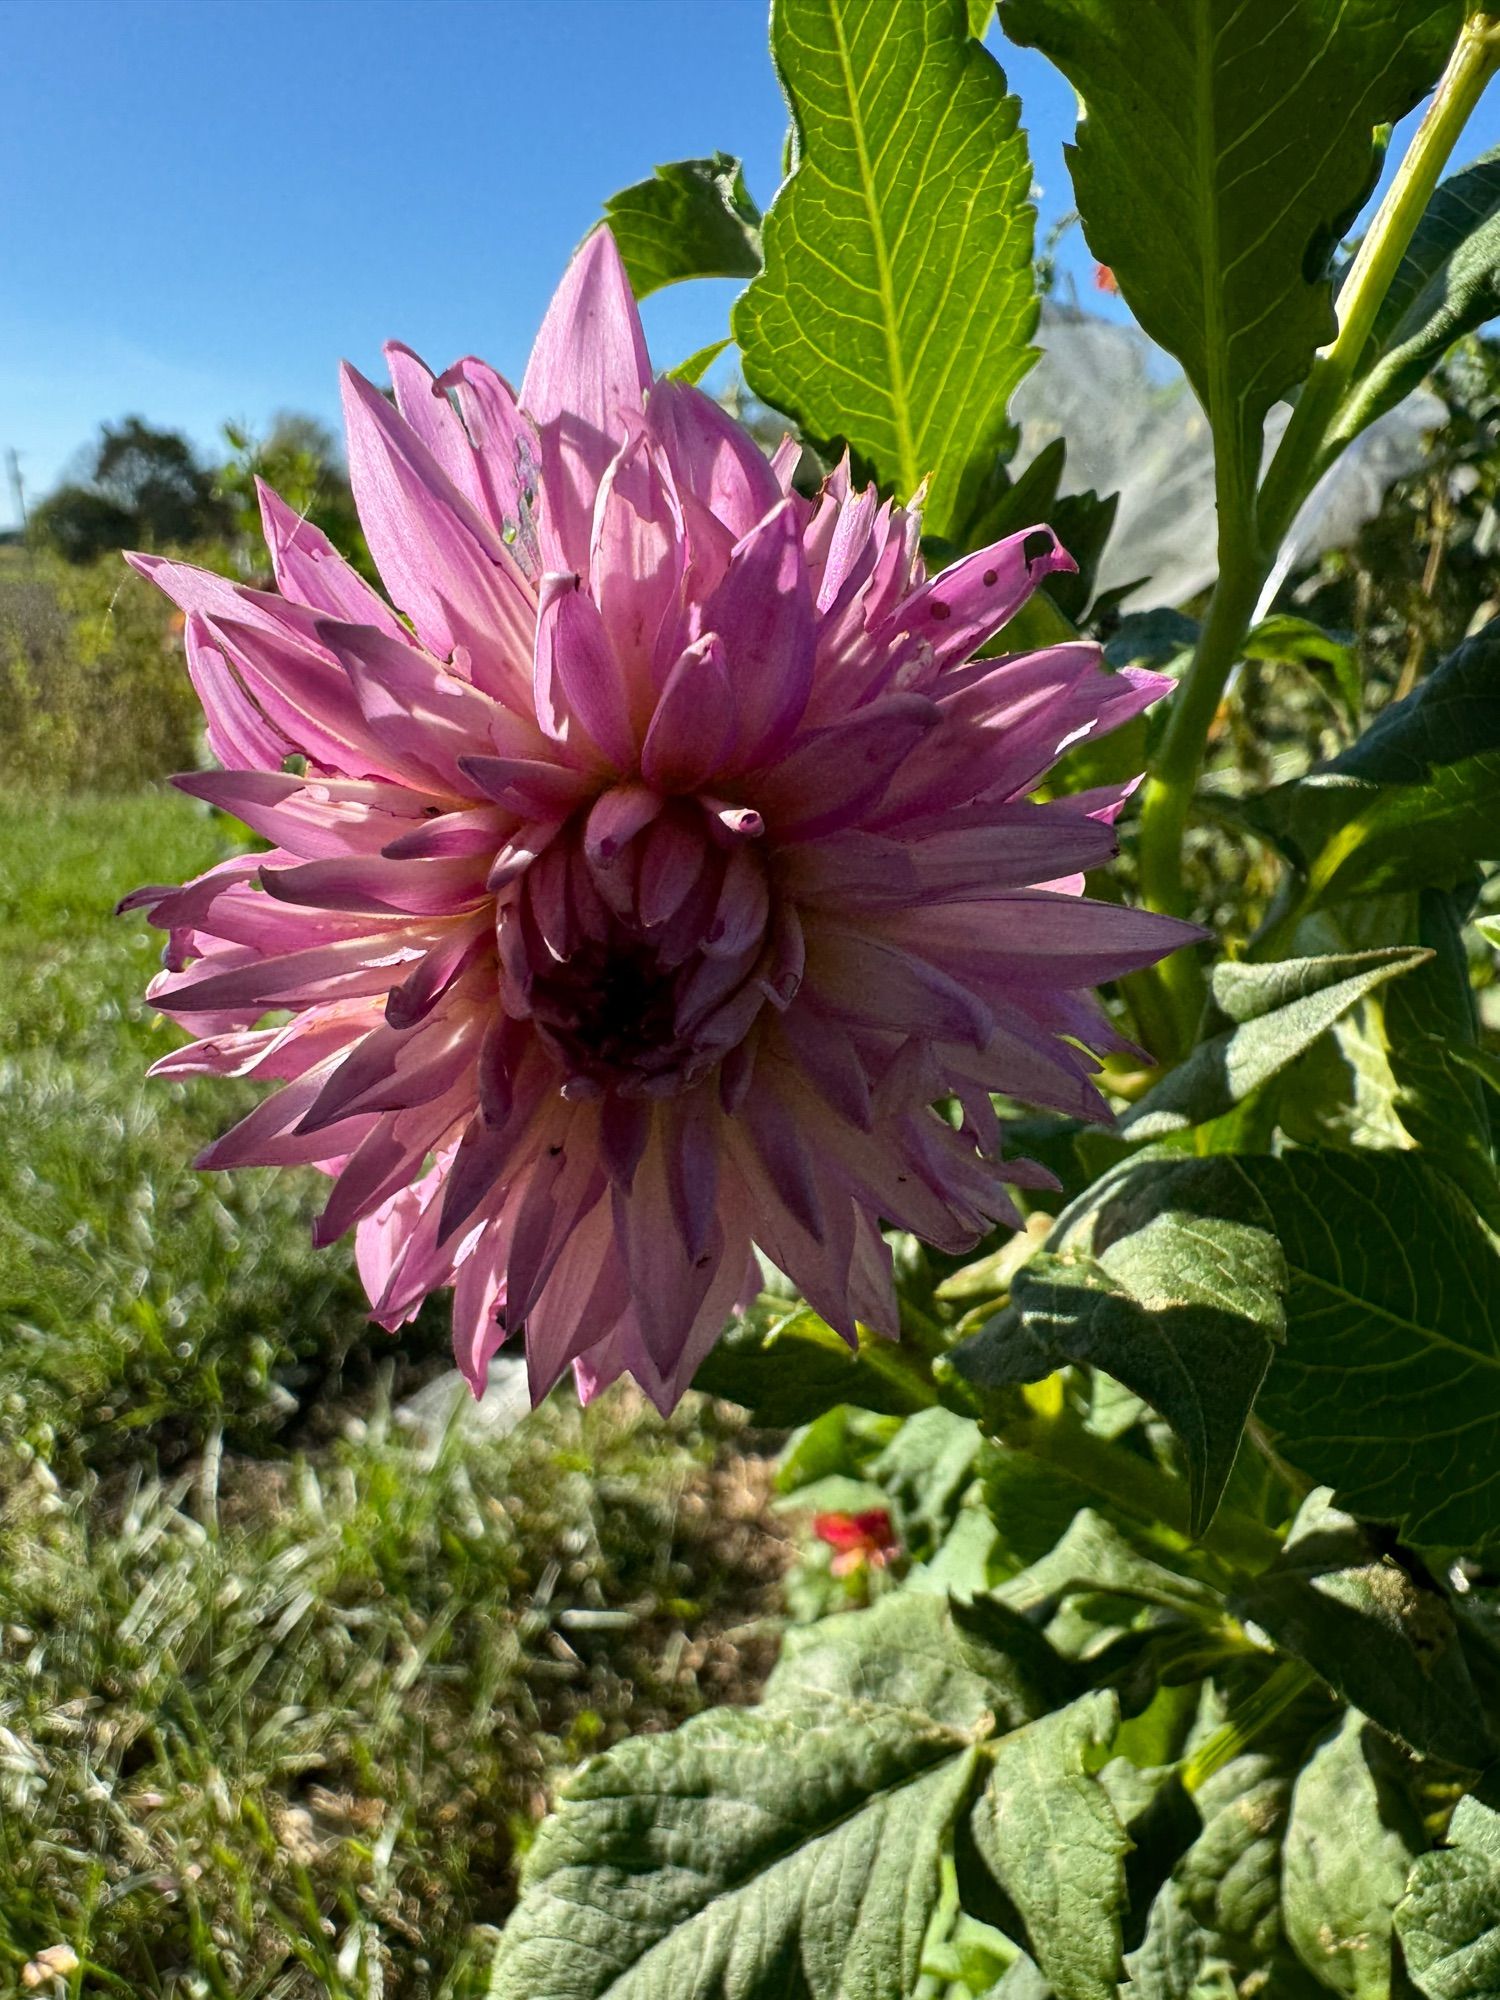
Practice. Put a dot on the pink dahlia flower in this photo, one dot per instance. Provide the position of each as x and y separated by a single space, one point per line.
641 884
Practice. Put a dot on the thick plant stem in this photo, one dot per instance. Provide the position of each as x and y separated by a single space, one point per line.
1250 536
1319 429
1174 774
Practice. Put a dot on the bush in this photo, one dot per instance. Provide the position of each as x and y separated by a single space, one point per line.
93 691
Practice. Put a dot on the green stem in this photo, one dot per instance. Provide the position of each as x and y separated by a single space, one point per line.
1174 773
1139 1488
1320 428
1251 534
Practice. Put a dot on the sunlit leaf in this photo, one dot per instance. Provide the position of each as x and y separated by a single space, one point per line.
897 303
755 1849
1412 803
1284 638
1388 1643
1398 1069
1173 1285
692 219
698 363
1449 1921
1448 284
1387 1386
1046 1830
1349 1845
1304 997
787 1366
1246 135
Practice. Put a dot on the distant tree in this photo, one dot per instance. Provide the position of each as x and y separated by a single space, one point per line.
141 487
81 524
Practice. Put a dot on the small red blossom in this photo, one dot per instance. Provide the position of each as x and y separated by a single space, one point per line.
858 1539
1105 280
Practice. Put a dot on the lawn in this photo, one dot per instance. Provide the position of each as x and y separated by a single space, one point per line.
284 1678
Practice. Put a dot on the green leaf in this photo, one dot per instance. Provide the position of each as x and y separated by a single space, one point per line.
1095 1587
783 1852
1290 1004
1094 1557
1349 1845
843 1441
1389 1644
1083 523
1162 639
1230 1877
699 362
926 1469
1387 1386
787 1366
1449 1919
1153 1805
1172 1284
1482 1063
1230 1874
1447 286
1429 1027
1047 1832
1412 803
898 302
981 18
1176 1959
1031 1504
1489 929
692 219
1223 151
1396 1071
1285 639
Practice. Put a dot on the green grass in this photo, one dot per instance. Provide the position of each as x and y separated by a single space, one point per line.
282 1689
139 1294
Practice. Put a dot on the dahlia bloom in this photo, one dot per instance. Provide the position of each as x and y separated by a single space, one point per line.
637 892
857 1540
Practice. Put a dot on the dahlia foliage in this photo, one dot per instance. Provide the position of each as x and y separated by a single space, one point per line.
656 880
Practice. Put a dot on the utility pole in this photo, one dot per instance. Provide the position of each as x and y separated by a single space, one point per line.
13 462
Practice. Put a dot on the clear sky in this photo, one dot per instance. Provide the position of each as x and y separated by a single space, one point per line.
208 202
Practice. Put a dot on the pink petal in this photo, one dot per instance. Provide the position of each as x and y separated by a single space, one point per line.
313 818
238 733
506 453
763 612
712 456
970 601
421 713
636 562
579 681
444 565
693 726
309 569
588 372
831 776
427 410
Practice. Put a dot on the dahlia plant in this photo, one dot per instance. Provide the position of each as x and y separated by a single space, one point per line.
673 938
637 903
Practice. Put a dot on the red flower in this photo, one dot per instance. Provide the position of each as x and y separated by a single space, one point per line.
858 1539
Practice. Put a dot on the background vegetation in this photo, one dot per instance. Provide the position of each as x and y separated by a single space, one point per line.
294 1650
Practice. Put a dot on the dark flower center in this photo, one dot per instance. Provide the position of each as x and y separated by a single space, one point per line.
610 1010
642 961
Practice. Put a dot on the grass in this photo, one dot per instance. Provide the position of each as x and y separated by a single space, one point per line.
283 1683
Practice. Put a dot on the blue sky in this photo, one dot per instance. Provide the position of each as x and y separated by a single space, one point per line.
208 202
